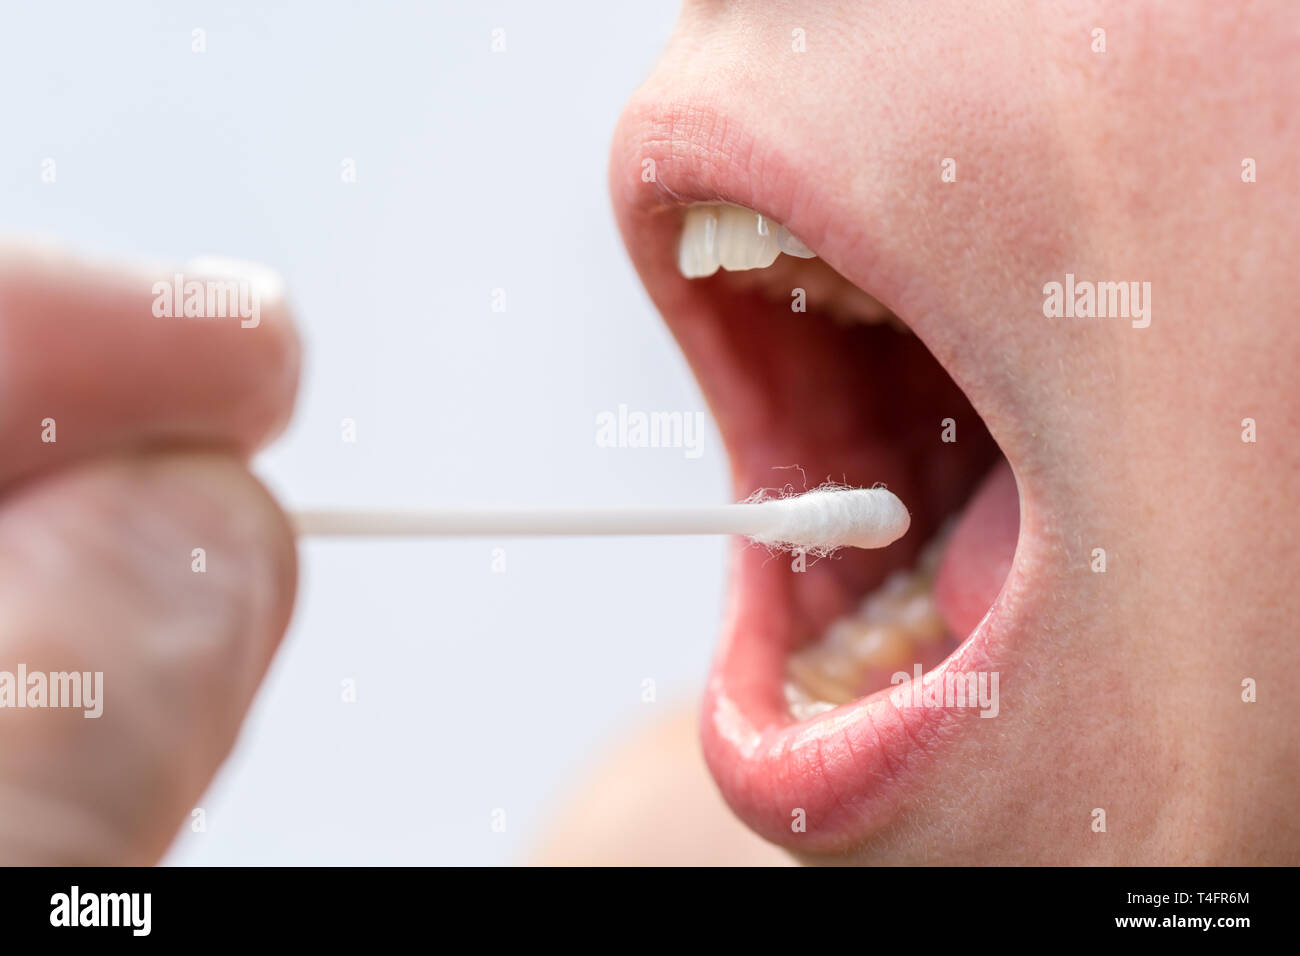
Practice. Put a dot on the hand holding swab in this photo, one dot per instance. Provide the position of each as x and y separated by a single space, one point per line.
820 520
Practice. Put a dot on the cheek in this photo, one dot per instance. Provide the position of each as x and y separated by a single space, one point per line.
980 553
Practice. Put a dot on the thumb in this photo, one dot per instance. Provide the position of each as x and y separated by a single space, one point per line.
163 581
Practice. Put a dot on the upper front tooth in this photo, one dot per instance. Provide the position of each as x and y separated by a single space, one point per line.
746 240
697 253
734 238
791 246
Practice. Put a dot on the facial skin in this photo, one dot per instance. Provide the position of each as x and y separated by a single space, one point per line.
1121 690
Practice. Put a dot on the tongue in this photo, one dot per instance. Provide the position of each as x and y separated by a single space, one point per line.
979 553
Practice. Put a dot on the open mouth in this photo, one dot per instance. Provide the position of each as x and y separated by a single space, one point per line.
853 396
815 724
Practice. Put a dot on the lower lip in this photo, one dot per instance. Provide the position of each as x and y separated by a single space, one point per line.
826 784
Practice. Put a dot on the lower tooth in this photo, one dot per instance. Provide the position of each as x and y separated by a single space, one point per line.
921 619
883 646
808 674
803 707
889 632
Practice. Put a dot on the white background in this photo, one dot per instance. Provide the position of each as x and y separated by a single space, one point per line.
475 171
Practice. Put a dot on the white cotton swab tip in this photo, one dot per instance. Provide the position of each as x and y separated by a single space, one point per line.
820 520
830 518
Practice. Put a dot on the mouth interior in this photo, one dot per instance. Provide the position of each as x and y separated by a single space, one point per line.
845 392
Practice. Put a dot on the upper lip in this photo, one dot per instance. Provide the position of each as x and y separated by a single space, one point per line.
849 771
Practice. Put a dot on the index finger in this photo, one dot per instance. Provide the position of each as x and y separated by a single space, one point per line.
97 357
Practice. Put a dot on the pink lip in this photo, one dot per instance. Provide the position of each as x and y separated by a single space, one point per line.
700 155
850 770
848 773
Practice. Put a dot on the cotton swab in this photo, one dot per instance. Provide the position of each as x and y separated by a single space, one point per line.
819 520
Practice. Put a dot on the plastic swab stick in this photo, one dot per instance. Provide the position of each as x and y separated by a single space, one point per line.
819 520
